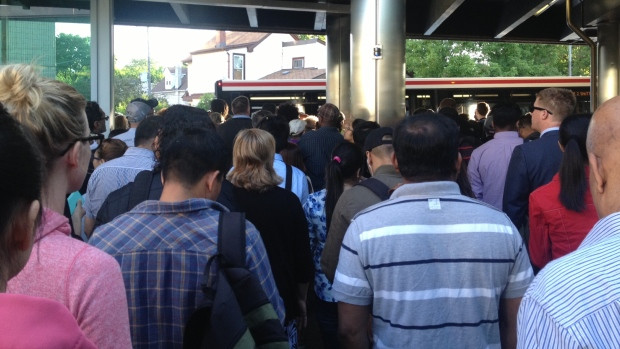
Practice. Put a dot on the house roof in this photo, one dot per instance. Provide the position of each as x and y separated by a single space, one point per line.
234 40
172 70
305 73
161 85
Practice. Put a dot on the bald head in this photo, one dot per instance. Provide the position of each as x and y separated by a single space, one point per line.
603 157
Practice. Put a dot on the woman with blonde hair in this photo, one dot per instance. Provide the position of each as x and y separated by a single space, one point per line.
278 216
84 279
21 177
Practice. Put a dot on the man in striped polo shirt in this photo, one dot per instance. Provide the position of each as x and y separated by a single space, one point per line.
433 268
575 301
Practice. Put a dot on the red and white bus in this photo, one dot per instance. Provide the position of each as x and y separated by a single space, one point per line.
420 92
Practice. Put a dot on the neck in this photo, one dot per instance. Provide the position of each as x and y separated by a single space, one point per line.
55 191
177 192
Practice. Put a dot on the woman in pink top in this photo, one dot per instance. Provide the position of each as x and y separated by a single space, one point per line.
562 212
84 279
25 321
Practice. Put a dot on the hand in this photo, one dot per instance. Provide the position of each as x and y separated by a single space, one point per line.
302 319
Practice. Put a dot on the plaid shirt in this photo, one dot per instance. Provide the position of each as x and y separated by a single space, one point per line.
163 248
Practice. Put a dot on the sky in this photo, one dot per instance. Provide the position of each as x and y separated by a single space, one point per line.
168 46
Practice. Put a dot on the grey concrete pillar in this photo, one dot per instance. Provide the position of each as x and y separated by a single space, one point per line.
608 60
378 60
102 53
338 62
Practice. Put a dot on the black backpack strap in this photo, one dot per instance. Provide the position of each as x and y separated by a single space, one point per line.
377 187
140 189
289 177
231 239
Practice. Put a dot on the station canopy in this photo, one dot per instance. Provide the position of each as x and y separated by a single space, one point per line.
477 20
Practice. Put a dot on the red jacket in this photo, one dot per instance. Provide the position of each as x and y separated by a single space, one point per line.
555 230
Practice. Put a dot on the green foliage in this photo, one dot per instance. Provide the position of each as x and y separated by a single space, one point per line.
73 62
205 101
127 83
312 36
434 58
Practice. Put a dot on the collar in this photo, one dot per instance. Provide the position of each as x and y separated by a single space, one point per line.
434 189
606 227
556 128
137 151
52 221
386 170
506 135
278 157
241 116
190 205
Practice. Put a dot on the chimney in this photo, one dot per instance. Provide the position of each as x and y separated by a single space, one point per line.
220 38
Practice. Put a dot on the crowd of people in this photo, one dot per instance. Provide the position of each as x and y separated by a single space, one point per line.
440 232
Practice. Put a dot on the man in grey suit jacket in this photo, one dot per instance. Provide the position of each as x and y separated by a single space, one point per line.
534 163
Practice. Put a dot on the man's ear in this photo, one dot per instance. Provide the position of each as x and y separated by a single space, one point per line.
395 161
211 179
597 174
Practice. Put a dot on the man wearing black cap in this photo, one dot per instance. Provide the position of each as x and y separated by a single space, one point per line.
379 152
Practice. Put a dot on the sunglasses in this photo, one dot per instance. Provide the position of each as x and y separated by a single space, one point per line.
532 108
90 139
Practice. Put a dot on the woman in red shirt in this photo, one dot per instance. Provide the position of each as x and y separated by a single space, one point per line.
561 212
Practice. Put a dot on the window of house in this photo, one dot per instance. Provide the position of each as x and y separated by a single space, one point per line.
298 63
238 66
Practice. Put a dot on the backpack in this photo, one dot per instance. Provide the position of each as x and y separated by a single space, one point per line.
377 187
235 313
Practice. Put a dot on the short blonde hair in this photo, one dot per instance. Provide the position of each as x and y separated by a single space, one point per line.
253 155
560 101
52 110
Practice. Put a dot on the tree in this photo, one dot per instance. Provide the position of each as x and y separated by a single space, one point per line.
73 62
312 36
435 58
205 101
128 82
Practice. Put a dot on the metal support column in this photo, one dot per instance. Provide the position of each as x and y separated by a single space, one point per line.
338 62
378 60
608 60
102 53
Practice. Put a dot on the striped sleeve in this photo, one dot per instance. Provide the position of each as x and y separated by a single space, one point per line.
521 274
350 282
537 329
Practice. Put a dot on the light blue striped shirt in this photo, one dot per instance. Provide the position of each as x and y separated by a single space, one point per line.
575 301
114 174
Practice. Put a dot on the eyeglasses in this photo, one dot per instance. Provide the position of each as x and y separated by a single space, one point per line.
532 108
105 118
90 139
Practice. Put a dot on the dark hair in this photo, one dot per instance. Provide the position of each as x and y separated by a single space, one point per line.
192 155
93 113
219 106
482 108
176 120
116 132
288 111
278 127
505 115
361 131
291 154
21 171
573 182
345 162
426 147
240 105
525 121
147 130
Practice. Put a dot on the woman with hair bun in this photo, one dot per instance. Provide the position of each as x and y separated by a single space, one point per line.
562 212
341 173
84 279
21 177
